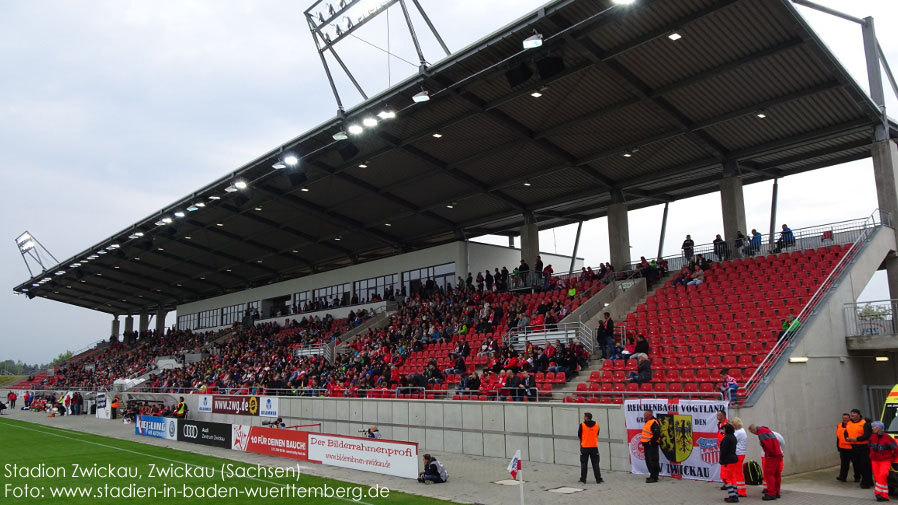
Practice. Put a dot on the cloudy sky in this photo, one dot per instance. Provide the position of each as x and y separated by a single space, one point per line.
109 110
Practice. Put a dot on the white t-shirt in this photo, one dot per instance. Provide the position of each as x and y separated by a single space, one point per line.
741 442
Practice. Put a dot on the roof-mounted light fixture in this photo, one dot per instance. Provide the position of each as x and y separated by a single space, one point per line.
533 41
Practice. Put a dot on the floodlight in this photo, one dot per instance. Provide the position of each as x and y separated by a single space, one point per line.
201 204
798 359
761 114
386 114
341 135
347 22
101 252
363 164
75 265
533 41
113 247
321 18
193 208
291 159
279 165
231 189
166 220
437 135
22 238
179 213
882 358
330 9
369 122
27 246
527 183
536 94
240 185
305 190
423 96
624 2
60 272
214 197
355 129
136 234
675 36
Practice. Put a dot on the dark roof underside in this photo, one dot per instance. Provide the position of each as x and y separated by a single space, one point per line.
685 109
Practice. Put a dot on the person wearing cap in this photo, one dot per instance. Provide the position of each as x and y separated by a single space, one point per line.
773 459
883 456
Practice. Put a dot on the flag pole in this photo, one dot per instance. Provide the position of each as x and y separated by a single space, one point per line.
521 483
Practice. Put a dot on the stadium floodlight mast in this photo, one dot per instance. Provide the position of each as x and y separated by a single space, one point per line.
30 247
330 25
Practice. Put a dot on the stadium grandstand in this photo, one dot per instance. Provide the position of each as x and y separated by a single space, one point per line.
359 288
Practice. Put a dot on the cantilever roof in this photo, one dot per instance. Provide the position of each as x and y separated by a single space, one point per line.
682 109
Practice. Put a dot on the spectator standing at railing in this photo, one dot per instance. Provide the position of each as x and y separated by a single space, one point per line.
480 281
790 324
721 249
688 248
538 267
489 279
741 244
755 243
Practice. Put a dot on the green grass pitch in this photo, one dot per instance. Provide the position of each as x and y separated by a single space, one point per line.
42 451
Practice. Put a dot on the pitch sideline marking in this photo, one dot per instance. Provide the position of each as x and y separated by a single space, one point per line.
160 457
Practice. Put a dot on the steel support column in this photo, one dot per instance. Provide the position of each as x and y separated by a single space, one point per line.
663 230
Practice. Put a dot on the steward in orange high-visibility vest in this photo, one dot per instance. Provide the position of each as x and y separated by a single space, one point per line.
651 435
588 433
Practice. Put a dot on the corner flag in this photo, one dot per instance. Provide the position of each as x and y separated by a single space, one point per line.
515 464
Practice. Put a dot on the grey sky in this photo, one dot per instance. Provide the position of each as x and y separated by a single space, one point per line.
110 110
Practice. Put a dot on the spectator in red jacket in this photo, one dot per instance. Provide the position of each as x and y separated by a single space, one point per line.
12 399
773 462
883 455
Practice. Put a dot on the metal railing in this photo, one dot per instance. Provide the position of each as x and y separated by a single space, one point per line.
871 318
537 395
811 237
767 365
518 338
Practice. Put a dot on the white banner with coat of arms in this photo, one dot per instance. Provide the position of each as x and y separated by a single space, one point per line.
688 447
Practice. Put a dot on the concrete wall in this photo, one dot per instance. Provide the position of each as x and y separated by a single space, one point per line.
804 401
489 256
544 432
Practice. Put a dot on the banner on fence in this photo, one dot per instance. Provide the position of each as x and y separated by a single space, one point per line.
158 427
688 448
199 432
380 456
234 404
271 442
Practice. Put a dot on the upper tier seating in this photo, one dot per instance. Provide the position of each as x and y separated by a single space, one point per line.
730 321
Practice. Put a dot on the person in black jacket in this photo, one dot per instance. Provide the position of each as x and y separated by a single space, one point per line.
528 386
729 463
643 371
688 248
